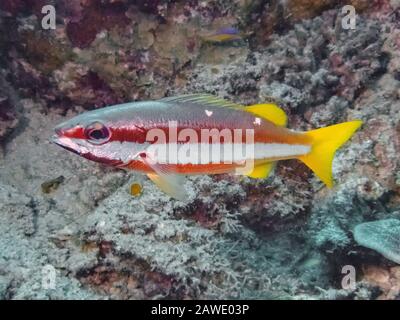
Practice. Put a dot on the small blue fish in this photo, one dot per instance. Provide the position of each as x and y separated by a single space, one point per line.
225 34
228 30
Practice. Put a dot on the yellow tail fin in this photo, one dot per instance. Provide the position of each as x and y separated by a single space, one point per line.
325 142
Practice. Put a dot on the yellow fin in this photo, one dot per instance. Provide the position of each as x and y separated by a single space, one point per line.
269 111
172 184
325 142
262 171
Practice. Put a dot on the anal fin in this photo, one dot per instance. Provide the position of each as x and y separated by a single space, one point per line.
262 171
171 184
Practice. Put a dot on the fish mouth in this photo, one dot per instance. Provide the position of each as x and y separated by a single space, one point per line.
65 143
70 145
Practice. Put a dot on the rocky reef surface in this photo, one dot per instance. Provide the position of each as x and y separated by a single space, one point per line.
286 237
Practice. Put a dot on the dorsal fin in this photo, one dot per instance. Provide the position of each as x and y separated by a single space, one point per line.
203 99
269 111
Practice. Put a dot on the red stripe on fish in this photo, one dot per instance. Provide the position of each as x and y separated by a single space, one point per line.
184 168
216 135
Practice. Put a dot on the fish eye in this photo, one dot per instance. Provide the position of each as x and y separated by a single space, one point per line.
97 133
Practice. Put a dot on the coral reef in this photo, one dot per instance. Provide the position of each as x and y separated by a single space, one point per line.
386 279
382 236
285 237
9 118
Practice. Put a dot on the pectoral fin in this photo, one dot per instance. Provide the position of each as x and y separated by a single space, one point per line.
262 171
171 183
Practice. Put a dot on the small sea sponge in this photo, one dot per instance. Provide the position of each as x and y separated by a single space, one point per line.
382 236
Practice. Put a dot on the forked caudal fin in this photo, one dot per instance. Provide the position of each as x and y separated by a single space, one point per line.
325 142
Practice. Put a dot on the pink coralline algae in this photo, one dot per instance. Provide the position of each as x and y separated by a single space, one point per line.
100 92
95 18
15 7
8 119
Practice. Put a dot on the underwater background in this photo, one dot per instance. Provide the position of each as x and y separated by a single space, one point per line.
74 229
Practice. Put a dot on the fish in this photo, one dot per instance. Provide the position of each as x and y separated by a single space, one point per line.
194 134
222 35
52 185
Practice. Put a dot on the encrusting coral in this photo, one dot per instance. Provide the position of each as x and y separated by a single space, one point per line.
382 236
